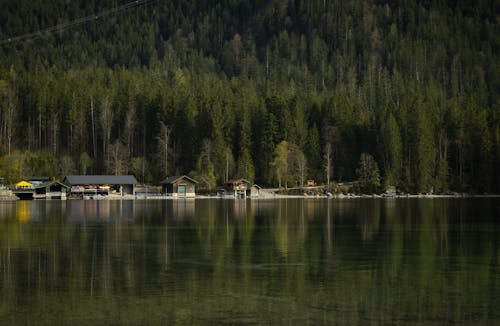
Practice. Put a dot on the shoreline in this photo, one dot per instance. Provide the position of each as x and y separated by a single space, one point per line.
271 196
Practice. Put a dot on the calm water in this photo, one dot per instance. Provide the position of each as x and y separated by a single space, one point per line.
294 261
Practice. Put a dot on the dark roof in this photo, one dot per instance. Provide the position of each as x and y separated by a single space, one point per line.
43 179
177 177
100 180
48 184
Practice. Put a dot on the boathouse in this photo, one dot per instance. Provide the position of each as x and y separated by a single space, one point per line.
254 191
179 186
237 188
50 190
38 188
101 184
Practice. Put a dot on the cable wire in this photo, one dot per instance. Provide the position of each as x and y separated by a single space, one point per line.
78 21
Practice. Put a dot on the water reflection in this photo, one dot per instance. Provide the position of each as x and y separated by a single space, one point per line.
260 261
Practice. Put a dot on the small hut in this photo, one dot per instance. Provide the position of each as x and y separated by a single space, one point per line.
254 190
237 187
50 189
179 186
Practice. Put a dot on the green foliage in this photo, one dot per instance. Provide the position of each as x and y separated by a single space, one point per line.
391 151
245 166
85 162
392 79
423 151
289 164
313 153
205 170
40 163
368 174
280 163
22 165
139 167
11 167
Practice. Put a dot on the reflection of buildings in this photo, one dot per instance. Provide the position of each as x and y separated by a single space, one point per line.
23 211
179 209
36 211
7 209
99 211
237 208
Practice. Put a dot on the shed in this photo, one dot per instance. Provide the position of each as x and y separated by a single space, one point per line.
50 189
237 187
103 184
179 186
254 190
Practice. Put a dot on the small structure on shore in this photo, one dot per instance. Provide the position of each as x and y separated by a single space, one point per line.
23 190
103 185
239 188
40 188
179 186
50 190
254 190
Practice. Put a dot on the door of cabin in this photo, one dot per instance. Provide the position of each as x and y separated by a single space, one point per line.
181 190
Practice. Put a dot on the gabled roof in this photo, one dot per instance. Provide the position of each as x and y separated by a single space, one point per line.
176 178
48 184
100 180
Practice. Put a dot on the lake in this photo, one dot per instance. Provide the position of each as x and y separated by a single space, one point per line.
286 261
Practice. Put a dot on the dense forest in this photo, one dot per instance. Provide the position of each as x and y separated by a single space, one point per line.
276 92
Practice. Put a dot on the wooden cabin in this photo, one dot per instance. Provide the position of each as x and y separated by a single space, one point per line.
179 187
254 190
50 190
237 185
237 188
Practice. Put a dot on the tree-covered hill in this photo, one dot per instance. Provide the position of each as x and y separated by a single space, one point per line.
270 91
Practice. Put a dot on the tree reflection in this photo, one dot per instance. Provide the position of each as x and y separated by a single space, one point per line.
259 261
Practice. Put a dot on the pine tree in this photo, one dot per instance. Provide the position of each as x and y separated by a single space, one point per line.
313 153
391 151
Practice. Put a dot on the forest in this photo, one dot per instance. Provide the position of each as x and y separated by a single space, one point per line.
398 93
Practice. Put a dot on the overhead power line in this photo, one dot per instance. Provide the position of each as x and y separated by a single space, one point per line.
78 21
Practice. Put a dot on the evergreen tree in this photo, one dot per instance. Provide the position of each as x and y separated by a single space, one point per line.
313 153
391 151
368 174
306 65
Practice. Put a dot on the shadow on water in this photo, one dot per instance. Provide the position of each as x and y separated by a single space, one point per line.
316 261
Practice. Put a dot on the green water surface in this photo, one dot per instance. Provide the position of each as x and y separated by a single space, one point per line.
290 261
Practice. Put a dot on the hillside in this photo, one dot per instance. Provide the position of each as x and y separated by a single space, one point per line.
212 88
